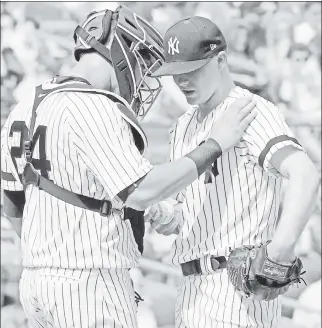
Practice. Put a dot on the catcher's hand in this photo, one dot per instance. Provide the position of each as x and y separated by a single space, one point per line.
162 217
256 276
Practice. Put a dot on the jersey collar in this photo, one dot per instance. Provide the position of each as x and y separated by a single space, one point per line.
62 79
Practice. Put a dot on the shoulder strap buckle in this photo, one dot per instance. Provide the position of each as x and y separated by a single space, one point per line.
28 153
106 207
30 175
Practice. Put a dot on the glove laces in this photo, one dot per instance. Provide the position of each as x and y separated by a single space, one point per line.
138 298
299 279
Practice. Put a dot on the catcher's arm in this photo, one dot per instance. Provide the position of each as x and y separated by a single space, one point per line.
167 179
300 197
13 205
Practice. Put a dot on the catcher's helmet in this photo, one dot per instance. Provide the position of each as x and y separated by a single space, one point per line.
126 40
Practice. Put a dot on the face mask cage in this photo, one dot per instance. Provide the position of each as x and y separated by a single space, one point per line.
140 46
148 88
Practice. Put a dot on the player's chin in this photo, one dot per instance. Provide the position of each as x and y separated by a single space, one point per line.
192 100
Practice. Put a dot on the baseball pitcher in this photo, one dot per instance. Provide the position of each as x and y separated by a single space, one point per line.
234 260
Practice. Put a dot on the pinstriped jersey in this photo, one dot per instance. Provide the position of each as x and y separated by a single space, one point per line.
235 201
84 146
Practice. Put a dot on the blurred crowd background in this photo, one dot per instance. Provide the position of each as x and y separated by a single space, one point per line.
274 51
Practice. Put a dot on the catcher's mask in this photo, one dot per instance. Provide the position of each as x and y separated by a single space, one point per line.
129 43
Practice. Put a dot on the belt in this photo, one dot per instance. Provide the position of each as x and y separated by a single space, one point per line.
206 264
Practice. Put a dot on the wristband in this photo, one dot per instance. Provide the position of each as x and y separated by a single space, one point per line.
205 154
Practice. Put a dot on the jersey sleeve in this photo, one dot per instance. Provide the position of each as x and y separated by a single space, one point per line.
105 142
267 133
10 178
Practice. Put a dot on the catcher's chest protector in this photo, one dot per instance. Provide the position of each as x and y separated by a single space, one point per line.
72 84
81 85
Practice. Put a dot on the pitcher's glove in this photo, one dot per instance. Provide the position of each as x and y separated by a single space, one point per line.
256 276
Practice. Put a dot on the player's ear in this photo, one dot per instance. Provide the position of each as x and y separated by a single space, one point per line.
221 60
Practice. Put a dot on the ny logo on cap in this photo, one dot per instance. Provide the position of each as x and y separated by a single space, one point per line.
173 46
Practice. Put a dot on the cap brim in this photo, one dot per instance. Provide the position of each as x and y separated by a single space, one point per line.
175 68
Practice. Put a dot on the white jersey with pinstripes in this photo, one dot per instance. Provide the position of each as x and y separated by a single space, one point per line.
91 151
239 205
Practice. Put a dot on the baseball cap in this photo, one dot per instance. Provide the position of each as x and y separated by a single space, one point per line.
189 45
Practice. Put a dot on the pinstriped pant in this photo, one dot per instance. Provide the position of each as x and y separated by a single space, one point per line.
210 301
62 298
